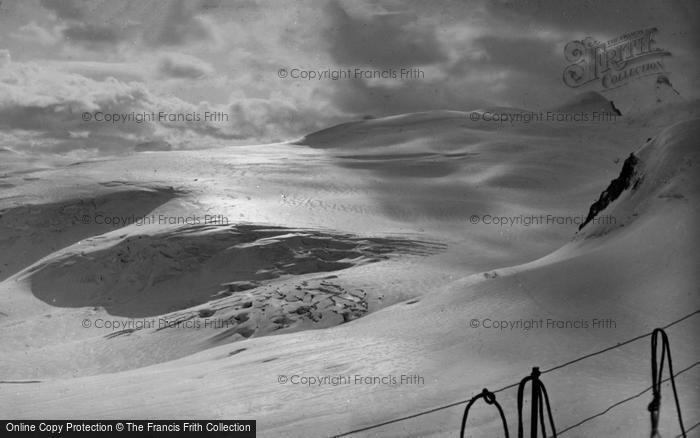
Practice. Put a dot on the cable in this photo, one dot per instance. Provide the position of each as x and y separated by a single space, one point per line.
451 405
629 341
489 398
689 429
418 414
621 402
657 371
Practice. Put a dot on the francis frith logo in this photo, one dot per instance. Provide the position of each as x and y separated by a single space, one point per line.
616 62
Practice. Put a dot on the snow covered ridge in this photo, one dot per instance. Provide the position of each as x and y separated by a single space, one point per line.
662 169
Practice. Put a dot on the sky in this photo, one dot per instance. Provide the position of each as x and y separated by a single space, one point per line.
250 59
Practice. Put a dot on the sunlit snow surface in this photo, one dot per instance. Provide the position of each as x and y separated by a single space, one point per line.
360 250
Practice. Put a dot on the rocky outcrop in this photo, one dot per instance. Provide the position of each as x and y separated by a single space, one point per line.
614 190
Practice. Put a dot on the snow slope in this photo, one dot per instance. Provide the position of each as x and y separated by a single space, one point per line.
403 188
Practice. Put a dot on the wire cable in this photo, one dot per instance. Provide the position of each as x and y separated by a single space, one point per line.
621 402
657 370
514 385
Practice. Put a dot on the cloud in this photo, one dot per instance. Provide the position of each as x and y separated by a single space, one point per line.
93 36
132 56
518 66
65 9
99 70
181 25
529 55
5 58
42 107
38 34
382 40
178 65
359 97
275 119
81 24
47 104
597 17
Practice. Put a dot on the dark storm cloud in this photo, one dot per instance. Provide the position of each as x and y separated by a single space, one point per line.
66 9
242 7
517 53
34 117
79 29
531 64
363 98
179 26
676 22
382 40
574 15
93 35
600 16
